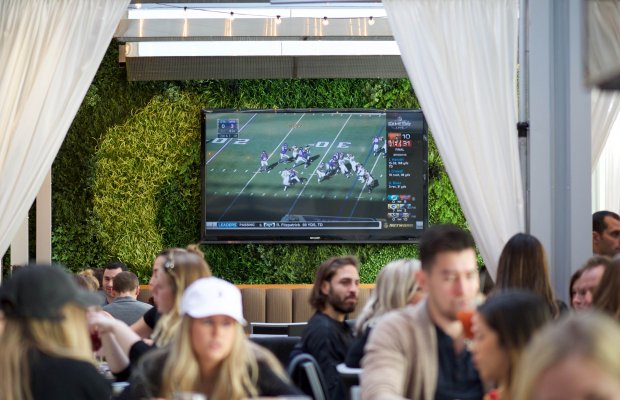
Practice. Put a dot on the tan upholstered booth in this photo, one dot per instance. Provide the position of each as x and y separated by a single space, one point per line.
286 303
278 303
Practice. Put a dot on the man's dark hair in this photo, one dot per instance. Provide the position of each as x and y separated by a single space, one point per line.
441 238
116 265
125 282
598 220
325 273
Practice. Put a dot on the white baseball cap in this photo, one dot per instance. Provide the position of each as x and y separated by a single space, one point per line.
212 296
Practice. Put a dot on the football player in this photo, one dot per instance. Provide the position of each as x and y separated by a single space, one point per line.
342 165
283 156
295 152
264 165
369 182
286 181
302 158
376 148
293 176
321 172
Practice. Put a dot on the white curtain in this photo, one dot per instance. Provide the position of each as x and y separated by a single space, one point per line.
606 176
461 58
49 53
605 108
604 51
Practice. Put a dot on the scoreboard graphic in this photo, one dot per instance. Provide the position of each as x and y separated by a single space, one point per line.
397 139
228 128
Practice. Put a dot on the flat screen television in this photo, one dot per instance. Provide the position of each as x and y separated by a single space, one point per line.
314 176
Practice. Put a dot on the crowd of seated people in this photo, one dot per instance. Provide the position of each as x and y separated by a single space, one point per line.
425 333
122 346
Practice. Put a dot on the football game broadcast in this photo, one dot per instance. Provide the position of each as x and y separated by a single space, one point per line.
314 175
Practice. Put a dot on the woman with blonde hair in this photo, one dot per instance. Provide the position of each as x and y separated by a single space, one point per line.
396 287
575 358
523 265
173 272
45 349
145 326
87 279
211 354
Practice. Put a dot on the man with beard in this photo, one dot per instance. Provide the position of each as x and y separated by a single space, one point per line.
110 270
327 336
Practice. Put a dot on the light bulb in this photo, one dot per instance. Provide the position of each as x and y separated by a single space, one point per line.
278 20
232 15
371 21
325 21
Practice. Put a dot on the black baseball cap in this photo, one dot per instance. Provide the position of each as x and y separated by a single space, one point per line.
40 291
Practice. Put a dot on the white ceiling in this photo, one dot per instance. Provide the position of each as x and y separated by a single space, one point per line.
234 40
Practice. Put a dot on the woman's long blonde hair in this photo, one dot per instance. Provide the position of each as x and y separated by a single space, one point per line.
66 337
237 375
396 286
591 335
183 267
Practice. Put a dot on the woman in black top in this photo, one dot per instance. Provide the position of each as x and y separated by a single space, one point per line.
45 348
173 271
211 354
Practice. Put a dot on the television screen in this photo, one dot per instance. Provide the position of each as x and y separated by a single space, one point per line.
314 175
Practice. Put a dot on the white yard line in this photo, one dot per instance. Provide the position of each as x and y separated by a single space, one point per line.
257 172
313 172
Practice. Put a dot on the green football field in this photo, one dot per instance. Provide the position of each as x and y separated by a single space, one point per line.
237 191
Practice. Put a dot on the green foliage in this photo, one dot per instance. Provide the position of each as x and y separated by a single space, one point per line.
443 204
259 263
126 181
141 166
109 101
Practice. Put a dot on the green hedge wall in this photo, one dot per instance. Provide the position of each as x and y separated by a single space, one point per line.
126 180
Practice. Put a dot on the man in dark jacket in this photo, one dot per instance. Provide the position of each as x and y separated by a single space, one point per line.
327 336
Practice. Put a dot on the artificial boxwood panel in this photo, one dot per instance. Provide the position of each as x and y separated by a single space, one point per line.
126 180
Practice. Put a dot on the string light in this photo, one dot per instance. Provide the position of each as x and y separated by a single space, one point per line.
231 15
185 24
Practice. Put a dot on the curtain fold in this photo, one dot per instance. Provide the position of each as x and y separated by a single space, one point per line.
461 58
50 52
605 178
605 108
604 31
